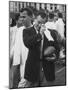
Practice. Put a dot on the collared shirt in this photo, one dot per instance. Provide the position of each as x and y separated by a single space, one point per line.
51 25
20 50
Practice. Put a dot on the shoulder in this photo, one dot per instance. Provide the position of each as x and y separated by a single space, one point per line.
13 28
60 22
46 23
28 29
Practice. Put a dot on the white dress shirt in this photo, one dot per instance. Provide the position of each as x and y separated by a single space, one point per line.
50 25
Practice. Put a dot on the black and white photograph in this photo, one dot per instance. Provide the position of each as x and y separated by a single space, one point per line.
37 44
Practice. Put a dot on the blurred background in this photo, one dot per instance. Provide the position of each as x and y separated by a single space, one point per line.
14 7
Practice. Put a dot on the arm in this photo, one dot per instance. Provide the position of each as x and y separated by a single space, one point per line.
30 40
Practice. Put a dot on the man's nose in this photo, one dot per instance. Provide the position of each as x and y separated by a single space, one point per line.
40 25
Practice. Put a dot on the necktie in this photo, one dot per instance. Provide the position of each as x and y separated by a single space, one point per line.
41 48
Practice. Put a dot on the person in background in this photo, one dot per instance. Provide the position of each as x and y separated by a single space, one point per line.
56 15
12 22
51 27
50 24
12 33
60 25
18 52
60 29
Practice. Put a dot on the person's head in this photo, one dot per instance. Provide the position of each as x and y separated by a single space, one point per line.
42 16
40 19
51 16
56 15
35 12
12 22
18 20
26 15
60 15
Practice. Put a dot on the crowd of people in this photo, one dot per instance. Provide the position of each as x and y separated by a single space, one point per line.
36 41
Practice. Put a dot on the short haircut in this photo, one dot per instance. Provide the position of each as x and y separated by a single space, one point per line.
42 14
13 22
60 15
51 15
29 11
56 11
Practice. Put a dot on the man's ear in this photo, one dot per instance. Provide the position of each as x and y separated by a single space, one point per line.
31 18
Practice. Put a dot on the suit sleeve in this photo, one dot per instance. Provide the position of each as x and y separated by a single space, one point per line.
56 37
30 40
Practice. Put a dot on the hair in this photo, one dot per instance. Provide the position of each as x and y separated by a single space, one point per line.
13 23
51 15
60 15
17 16
35 12
42 14
29 11
56 11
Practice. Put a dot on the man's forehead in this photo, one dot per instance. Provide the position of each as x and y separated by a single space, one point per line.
24 13
39 17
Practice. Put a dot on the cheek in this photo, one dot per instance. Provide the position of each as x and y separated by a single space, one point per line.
55 18
27 21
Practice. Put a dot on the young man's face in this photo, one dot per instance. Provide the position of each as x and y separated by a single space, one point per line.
39 21
26 20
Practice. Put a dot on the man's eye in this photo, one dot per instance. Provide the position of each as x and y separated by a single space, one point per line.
22 16
39 22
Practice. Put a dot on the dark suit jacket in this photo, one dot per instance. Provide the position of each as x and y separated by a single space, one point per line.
32 42
48 65
51 43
